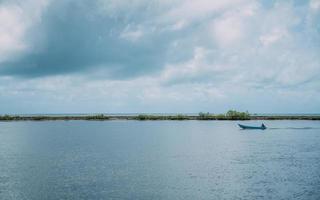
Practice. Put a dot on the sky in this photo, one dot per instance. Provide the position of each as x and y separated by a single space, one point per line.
159 56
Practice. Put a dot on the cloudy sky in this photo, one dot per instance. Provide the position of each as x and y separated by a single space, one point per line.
81 56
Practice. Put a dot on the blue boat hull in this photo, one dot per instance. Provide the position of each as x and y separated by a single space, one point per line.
252 127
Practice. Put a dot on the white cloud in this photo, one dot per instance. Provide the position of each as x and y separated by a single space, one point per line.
15 20
228 30
12 30
194 69
132 34
179 25
315 4
273 36
231 27
191 10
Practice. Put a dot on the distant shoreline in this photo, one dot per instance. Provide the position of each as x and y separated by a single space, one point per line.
154 117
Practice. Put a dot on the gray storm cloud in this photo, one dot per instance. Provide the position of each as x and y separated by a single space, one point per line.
76 36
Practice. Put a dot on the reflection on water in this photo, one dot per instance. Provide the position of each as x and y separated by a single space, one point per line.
159 160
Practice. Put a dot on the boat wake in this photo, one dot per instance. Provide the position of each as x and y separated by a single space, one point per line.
296 128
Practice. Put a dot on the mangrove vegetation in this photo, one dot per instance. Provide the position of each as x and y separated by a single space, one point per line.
230 115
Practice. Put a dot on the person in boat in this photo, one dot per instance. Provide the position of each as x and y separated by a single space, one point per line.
263 126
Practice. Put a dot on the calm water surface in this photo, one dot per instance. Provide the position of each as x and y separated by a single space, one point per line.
159 160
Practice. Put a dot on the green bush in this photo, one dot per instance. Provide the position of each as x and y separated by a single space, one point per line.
97 117
179 117
235 115
206 116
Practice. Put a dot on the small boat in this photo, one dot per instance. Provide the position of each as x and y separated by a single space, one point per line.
262 127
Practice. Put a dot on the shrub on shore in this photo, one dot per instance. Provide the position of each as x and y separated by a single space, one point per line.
7 117
206 116
97 117
179 117
162 117
230 115
235 115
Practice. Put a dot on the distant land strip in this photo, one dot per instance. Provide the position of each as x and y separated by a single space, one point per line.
230 115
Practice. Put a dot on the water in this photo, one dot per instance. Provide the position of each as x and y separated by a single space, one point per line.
159 160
